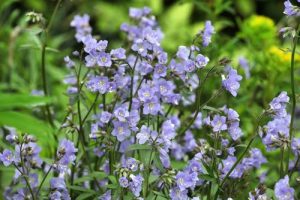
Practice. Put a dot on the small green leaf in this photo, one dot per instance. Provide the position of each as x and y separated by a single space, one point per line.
208 178
85 196
92 176
139 147
9 101
81 189
27 124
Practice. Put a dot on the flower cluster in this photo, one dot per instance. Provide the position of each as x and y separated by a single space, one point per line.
141 129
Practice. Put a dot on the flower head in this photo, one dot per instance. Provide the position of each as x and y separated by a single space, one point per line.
282 189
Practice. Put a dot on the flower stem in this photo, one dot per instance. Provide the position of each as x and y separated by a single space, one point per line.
294 45
43 66
40 186
131 83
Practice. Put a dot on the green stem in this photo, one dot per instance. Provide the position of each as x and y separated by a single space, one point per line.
43 66
26 180
281 161
294 44
40 186
131 82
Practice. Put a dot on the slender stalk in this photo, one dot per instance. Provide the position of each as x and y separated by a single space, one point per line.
40 186
281 162
199 107
26 180
295 166
131 82
43 64
294 45
90 109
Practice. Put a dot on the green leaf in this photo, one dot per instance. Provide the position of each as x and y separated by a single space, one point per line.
139 147
28 124
211 109
208 178
112 186
85 196
81 189
97 175
9 101
113 179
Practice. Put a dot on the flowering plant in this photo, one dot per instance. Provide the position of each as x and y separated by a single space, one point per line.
139 127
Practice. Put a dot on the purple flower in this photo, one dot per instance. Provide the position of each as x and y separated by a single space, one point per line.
101 45
106 195
121 113
177 194
59 190
185 180
159 71
164 158
146 93
144 135
256 159
66 152
123 181
282 189
91 59
277 133
209 30
183 53
105 117
235 131
6 157
201 61
82 26
232 82
245 65
69 63
118 53
189 65
152 106
290 9
121 130
132 164
104 59
226 166
135 184
278 104
296 146
219 123
98 84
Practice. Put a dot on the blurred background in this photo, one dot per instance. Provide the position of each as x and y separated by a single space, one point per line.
246 30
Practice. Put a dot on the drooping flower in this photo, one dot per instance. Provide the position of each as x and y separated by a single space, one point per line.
244 63
201 61
144 135
186 180
232 81
59 189
290 9
66 152
209 30
282 189
177 194
278 104
135 184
